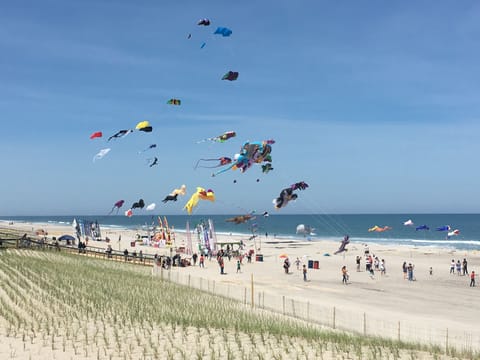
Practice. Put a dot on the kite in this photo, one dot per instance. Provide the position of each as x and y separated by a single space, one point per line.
120 134
200 194
304 229
153 161
453 233
250 153
222 161
153 146
220 138
204 22
422 227
144 126
101 154
97 134
266 168
174 194
223 31
117 205
288 194
230 76
345 242
140 204
174 102
150 207
266 214
241 219
408 223
170 198
443 228
377 228
203 45
129 213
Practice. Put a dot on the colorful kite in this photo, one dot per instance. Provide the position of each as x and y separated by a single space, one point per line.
204 22
117 205
174 102
288 194
220 138
97 134
453 233
345 242
240 219
200 194
223 31
144 126
120 134
377 228
250 153
101 154
174 194
221 162
443 228
230 76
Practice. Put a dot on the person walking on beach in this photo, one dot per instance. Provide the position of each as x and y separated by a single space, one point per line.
304 272
465 267
297 262
458 266
201 263
410 271
344 275
472 279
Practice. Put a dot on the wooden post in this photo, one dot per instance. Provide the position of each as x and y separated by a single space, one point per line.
188 280
293 307
252 291
283 300
364 323
399 331
308 310
245 297
213 287
334 315
446 343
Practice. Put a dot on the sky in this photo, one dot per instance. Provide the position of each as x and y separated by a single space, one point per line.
373 104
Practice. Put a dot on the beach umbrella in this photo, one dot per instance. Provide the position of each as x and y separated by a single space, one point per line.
283 256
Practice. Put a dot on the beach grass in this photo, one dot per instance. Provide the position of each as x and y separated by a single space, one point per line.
71 306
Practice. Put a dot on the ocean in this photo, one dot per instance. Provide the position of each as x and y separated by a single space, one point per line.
326 227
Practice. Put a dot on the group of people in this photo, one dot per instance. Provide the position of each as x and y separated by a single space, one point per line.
461 268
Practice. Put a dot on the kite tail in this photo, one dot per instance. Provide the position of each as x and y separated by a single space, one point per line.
223 170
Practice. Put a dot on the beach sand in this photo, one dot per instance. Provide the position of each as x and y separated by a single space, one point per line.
442 303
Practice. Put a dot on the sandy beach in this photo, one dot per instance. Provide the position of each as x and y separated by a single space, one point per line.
440 301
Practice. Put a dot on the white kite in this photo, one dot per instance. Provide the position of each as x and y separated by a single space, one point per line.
150 207
408 223
101 154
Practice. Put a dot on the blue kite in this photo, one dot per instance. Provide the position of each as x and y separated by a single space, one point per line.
223 31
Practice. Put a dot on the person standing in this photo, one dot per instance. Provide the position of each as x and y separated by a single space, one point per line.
465 266
297 262
344 275
358 263
472 279
452 267
222 265
239 264
201 263
410 271
194 258
304 272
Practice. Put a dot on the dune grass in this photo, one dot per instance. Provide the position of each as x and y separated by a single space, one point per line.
56 303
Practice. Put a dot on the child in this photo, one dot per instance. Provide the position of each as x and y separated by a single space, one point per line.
344 275
238 265
472 278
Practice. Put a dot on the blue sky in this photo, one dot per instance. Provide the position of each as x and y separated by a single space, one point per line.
373 104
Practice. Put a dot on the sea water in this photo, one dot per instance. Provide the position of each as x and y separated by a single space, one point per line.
326 227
